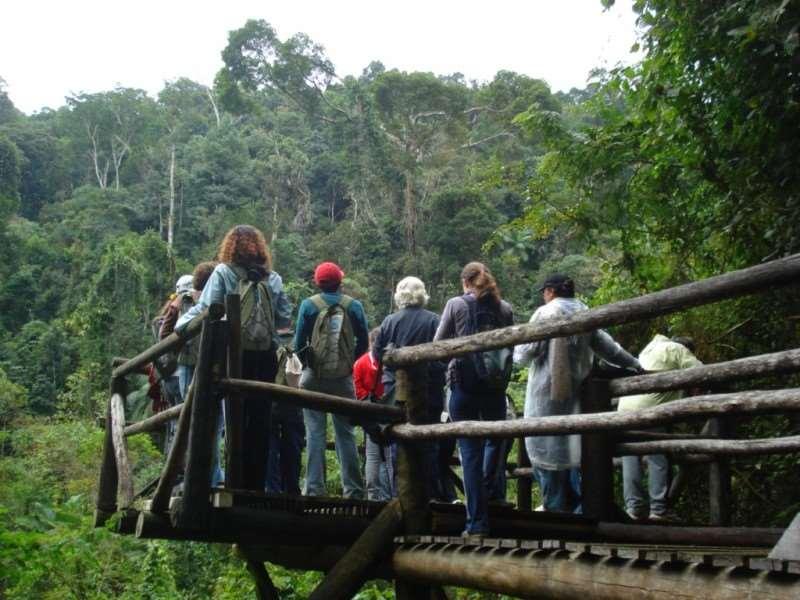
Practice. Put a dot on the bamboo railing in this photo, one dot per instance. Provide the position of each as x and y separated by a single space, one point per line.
605 433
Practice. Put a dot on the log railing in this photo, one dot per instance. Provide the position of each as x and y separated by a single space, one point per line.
605 433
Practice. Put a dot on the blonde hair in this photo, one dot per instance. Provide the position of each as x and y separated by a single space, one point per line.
410 291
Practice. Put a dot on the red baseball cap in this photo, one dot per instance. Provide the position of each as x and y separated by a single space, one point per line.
328 273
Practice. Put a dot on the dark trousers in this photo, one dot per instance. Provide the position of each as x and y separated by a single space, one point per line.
258 366
479 457
286 439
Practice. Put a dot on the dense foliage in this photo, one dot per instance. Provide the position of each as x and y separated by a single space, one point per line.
679 167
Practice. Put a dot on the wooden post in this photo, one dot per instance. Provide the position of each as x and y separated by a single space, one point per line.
412 473
372 547
234 419
109 478
524 484
597 456
192 511
125 478
265 589
719 478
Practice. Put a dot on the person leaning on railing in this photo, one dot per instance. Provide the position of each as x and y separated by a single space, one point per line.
557 369
244 251
661 354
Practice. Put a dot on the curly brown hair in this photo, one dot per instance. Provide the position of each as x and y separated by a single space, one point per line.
201 274
245 245
479 279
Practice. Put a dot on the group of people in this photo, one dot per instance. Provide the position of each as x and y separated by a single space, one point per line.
341 356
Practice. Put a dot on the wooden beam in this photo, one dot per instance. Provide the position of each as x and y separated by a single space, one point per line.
712 447
524 484
193 510
373 547
720 491
315 400
784 271
106 504
597 457
706 376
265 589
740 403
577 576
171 342
234 416
124 471
154 423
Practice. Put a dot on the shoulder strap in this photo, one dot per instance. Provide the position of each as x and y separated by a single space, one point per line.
239 271
472 308
345 301
318 301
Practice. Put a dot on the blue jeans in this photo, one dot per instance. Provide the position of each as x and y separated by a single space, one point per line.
657 478
561 490
379 469
285 449
479 457
185 374
345 436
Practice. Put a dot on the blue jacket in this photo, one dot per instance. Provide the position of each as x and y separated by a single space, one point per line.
224 281
307 315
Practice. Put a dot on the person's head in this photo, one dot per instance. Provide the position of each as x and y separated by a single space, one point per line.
201 274
373 336
183 285
557 285
245 245
476 278
685 341
328 276
410 291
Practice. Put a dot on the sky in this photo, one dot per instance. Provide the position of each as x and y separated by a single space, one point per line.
51 49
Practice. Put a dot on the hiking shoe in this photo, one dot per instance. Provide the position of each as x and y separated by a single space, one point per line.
475 538
634 516
665 517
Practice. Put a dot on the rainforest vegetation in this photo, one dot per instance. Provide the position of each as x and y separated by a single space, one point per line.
681 166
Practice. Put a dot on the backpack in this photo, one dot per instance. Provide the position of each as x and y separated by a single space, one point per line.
332 339
257 317
165 364
491 368
188 353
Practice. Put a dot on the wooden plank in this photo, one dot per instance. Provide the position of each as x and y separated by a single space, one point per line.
597 459
154 423
707 376
234 416
315 400
106 504
740 403
124 471
711 447
784 271
524 484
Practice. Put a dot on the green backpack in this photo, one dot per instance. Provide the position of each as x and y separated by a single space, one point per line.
258 319
332 339
188 354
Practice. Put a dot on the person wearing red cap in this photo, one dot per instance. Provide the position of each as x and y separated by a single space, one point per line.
336 321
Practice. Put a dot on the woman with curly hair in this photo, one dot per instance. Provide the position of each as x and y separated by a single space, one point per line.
243 254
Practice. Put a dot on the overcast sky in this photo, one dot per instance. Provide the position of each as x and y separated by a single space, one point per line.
50 49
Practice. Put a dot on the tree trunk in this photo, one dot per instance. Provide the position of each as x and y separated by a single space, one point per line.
171 216
410 213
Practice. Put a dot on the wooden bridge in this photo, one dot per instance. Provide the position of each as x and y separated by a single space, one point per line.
413 541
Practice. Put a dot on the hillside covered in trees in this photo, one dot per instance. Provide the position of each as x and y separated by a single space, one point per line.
682 166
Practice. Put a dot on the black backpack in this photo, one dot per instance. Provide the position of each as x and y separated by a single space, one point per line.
490 368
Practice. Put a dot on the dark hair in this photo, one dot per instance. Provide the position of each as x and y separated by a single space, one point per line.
201 274
373 335
480 280
565 289
245 245
685 341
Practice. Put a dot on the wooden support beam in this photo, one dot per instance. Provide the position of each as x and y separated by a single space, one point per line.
154 423
597 456
740 403
719 477
577 576
265 589
712 447
706 376
315 400
373 547
411 391
171 342
109 478
784 271
193 510
234 415
524 484
657 436
124 471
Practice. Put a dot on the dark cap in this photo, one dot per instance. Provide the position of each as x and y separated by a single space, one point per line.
556 281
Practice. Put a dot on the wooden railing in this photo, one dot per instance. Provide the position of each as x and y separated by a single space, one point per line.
605 433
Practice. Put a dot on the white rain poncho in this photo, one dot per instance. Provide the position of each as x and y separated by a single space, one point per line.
560 395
